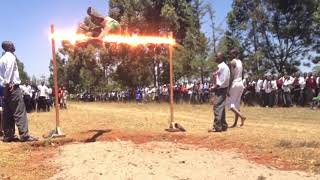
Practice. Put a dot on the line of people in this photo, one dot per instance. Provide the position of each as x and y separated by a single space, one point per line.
283 90
272 90
41 98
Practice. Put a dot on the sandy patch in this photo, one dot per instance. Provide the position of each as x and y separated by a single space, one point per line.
159 161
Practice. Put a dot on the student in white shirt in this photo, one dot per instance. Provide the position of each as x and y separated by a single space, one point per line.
302 83
287 83
14 108
221 78
267 87
318 84
48 99
274 93
43 90
259 94
190 88
27 94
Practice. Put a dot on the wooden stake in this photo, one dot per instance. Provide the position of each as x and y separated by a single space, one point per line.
171 83
57 132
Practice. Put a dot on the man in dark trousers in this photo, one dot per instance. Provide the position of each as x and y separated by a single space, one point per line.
1 110
14 110
221 78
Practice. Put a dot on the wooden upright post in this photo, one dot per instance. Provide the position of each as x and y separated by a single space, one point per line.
171 83
57 132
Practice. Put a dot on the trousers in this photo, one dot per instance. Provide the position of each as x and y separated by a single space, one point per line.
220 122
14 113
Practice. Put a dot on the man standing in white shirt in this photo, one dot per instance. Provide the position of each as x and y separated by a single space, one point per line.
48 99
267 87
302 83
287 84
318 84
221 78
27 93
189 87
14 108
259 87
43 89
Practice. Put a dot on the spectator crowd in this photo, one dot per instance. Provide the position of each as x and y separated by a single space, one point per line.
271 90
40 98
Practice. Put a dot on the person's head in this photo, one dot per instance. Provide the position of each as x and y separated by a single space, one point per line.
95 17
219 57
305 75
275 77
8 46
234 53
269 77
114 12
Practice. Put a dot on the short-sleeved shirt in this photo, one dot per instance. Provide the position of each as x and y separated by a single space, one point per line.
222 75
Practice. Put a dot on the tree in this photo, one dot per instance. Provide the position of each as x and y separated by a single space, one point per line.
158 17
22 73
60 71
316 69
113 65
283 32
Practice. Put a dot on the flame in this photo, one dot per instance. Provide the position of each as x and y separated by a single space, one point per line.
132 40
135 40
67 35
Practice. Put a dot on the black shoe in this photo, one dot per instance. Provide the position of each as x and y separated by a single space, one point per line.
28 139
10 139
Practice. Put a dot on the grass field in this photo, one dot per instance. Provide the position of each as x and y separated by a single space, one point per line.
291 135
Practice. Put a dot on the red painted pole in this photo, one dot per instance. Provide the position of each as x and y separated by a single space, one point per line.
171 83
55 74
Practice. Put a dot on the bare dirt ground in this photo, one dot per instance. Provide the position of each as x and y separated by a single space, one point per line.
159 160
281 138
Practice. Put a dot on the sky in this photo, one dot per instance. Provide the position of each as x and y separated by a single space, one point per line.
27 24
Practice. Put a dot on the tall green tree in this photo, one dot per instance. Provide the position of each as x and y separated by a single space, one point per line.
22 73
60 71
284 32
97 67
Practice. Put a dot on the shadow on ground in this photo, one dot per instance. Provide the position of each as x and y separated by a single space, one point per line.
97 134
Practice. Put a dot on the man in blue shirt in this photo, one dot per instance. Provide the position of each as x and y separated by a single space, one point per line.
14 110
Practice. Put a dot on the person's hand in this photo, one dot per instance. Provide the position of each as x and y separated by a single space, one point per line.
212 101
10 87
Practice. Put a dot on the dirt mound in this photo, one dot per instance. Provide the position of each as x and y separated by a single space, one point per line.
159 160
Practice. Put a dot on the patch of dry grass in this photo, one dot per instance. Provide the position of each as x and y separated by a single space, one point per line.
288 133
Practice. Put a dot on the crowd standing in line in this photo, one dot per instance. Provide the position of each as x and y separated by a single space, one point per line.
270 90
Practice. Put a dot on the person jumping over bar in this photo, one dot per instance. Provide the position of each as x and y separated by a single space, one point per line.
103 25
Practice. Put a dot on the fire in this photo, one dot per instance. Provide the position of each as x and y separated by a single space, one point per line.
132 40
68 35
139 40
